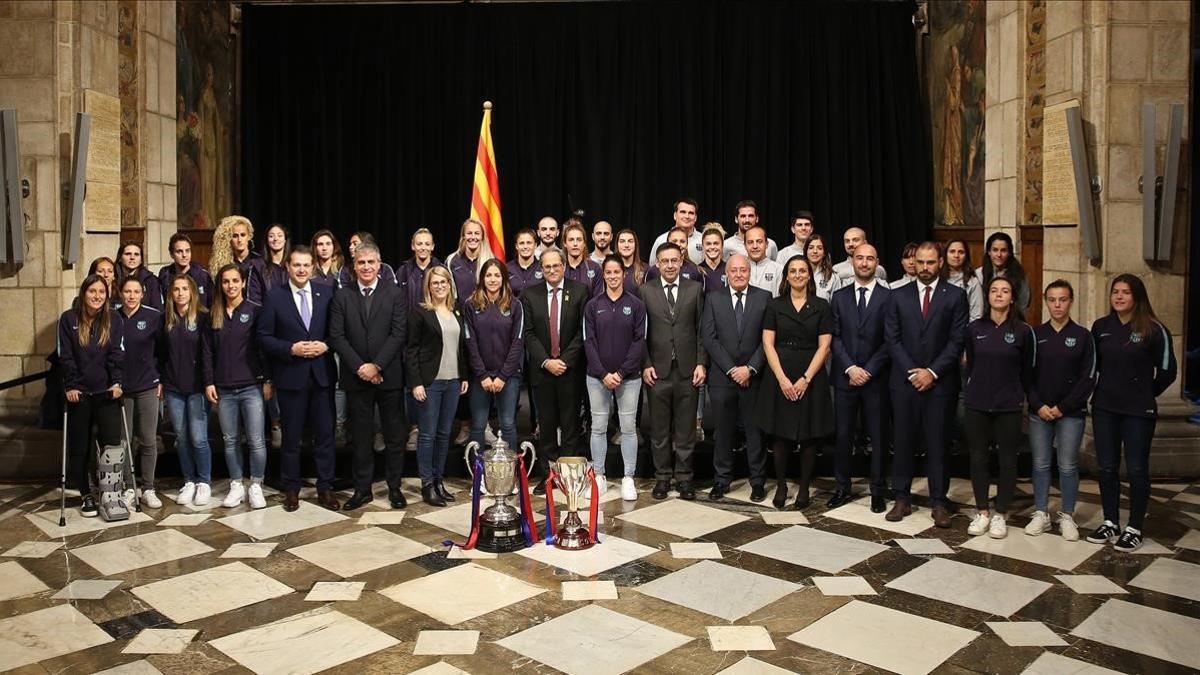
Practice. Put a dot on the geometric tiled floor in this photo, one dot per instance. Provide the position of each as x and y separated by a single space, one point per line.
312 591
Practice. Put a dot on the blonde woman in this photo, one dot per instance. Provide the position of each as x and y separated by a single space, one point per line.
436 366
186 330
231 243
464 264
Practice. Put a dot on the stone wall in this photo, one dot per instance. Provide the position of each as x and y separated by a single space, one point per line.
60 58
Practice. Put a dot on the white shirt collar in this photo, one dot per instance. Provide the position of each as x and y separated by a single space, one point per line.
297 289
734 293
550 288
665 283
921 285
372 286
870 286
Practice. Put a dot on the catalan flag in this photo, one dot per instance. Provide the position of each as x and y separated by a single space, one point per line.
485 194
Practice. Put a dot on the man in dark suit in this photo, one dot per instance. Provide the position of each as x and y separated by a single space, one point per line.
553 311
731 329
924 331
292 332
860 373
367 325
675 368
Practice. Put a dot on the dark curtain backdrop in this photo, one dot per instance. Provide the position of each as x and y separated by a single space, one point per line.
367 117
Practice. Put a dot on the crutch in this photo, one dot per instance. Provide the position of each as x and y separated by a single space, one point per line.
137 503
62 481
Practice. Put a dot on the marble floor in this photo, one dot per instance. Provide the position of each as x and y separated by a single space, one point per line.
690 587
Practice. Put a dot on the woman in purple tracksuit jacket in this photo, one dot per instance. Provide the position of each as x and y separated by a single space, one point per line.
496 351
131 262
235 381
143 391
614 340
185 330
1136 363
91 358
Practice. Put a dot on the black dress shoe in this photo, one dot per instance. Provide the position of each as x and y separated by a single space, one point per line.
396 498
717 493
781 493
839 498
443 492
291 500
802 501
878 504
661 488
757 493
539 488
357 500
686 491
430 496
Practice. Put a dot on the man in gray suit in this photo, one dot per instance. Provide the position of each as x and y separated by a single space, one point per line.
731 330
675 369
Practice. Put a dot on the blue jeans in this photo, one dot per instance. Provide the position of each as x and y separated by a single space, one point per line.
601 400
1065 435
1111 431
437 418
234 406
506 407
189 418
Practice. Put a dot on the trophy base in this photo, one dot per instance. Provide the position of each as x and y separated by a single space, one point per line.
577 540
499 540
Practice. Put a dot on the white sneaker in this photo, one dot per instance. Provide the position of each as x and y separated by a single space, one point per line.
237 492
978 526
150 499
628 489
257 500
130 498
1039 524
998 529
276 438
186 493
203 492
1067 526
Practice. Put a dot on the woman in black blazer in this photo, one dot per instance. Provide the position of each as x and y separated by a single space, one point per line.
437 369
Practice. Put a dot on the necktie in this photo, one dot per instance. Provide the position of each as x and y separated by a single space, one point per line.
671 297
367 292
305 310
862 300
739 311
367 300
925 303
554 323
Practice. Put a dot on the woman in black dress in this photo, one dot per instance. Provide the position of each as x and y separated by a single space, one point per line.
795 406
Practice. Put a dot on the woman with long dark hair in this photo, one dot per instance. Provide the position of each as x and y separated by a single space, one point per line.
436 368
186 328
817 252
328 260
1135 363
1064 374
90 354
131 263
278 244
141 330
235 381
795 405
1002 261
496 348
630 251
1000 356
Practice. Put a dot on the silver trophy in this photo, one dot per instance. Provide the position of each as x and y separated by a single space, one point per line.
499 526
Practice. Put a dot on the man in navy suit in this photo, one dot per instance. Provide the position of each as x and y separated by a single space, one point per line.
731 328
860 372
924 330
292 332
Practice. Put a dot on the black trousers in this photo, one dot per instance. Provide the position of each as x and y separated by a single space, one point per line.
100 410
312 406
558 400
733 407
672 402
362 403
919 415
873 401
982 428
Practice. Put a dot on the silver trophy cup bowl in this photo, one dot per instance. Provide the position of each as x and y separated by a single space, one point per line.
500 523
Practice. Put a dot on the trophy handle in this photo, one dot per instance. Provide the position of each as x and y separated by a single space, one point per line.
528 447
472 447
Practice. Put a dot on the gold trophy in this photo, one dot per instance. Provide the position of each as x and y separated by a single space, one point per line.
574 476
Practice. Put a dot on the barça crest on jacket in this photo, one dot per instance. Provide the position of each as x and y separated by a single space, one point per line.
245 318
591 274
626 311
1010 338
141 325
1135 337
1069 342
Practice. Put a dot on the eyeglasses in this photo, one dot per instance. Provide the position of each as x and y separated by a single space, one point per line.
552 266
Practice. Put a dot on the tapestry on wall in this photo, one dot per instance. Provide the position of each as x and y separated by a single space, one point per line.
957 30
205 128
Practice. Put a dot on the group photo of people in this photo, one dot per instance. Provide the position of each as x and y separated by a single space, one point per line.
782 353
